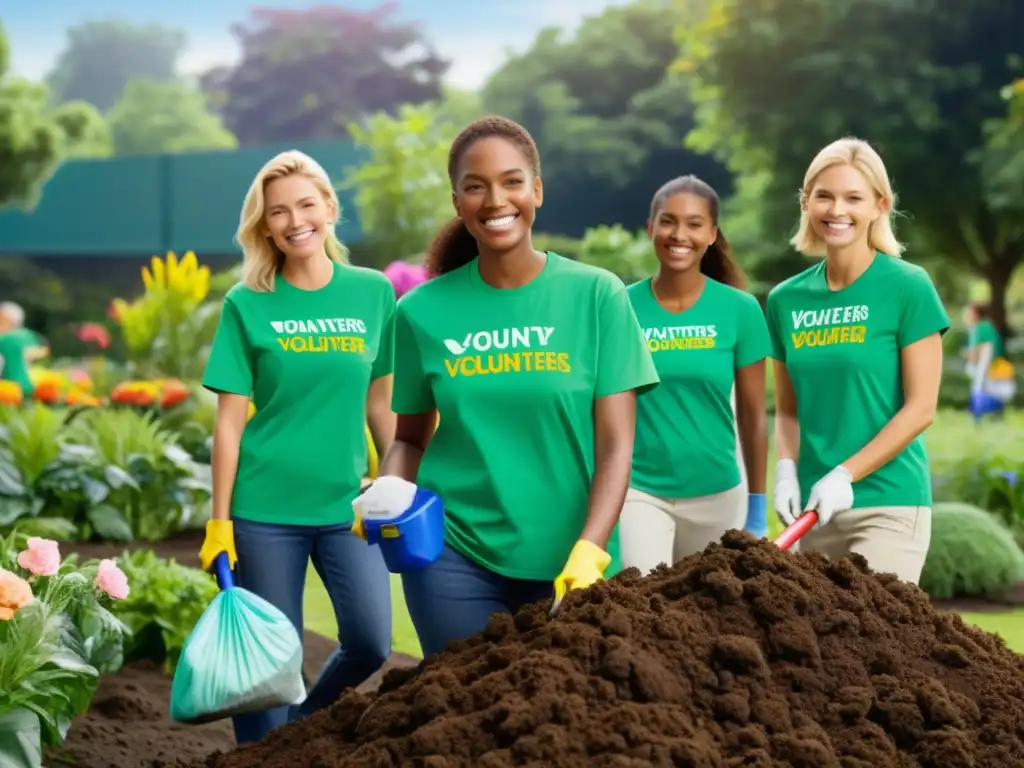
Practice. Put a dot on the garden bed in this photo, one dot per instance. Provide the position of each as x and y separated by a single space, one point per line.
128 723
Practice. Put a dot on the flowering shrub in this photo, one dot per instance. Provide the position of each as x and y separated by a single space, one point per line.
57 636
58 387
168 329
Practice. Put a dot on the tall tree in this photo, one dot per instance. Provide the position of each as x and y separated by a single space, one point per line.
86 132
309 74
774 82
154 118
607 115
30 140
102 56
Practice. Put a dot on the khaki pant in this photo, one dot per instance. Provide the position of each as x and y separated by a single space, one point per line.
891 539
653 530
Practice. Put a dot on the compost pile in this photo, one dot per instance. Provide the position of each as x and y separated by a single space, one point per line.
743 655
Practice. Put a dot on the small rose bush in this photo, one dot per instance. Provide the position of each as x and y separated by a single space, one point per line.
57 636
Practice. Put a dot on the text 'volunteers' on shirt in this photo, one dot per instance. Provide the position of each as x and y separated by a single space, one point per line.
685 428
307 358
514 374
842 352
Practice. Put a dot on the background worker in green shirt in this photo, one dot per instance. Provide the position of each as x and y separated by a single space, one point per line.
533 362
12 322
16 346
993 376
706 334
310 339
856 340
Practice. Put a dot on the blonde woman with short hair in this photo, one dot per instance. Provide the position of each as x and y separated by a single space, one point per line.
309 338
856 341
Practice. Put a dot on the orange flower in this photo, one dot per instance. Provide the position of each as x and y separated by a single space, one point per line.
174 392
77 397
48 392
10 393
15 593
143 393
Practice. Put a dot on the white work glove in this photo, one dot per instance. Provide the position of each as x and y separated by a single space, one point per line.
389 496
787 491
980 372
833 493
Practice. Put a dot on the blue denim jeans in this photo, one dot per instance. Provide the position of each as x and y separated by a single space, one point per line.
455 597
272 562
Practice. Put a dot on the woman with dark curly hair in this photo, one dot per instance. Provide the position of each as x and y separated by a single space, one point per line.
533 363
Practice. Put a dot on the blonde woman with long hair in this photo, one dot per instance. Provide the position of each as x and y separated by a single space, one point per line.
857 352
309 338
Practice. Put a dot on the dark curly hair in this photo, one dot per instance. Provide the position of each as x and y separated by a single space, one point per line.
453 246
718 263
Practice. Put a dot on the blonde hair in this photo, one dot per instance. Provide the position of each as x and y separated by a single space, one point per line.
263 259
862 156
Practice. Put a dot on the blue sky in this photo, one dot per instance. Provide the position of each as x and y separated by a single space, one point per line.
475 35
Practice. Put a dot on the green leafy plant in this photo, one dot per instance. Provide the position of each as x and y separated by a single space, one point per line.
628 254
980 464
165 603
971 554
112 473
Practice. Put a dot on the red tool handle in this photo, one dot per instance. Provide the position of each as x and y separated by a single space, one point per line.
796 529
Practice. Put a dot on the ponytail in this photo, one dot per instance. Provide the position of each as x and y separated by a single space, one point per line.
453 247
719 264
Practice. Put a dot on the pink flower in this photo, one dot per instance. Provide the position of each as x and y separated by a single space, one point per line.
94 333
42 558
111 580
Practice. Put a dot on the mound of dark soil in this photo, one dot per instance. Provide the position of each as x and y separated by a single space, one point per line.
743 655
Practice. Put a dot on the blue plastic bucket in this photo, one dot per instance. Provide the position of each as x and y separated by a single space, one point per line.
414 539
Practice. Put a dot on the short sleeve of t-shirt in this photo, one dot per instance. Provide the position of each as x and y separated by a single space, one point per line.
623 360
985 333
922 313
752 339
411 394
384 364
777 347
230 367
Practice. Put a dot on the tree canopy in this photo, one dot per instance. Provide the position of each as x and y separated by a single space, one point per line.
607 115
920 79
153 118
102 56
309 74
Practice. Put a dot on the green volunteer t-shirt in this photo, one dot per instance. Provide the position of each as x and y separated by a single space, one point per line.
685 428
514 375
13 365
842 352
307 358
985 333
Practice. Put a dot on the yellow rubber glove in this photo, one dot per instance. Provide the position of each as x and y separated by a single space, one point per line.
220 537
586 566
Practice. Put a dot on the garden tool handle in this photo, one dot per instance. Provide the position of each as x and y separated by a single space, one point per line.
797 529
222 569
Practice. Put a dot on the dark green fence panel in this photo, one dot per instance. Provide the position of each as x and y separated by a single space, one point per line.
138 206
205 192
91 207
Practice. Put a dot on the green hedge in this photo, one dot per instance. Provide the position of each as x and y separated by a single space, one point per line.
971 554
